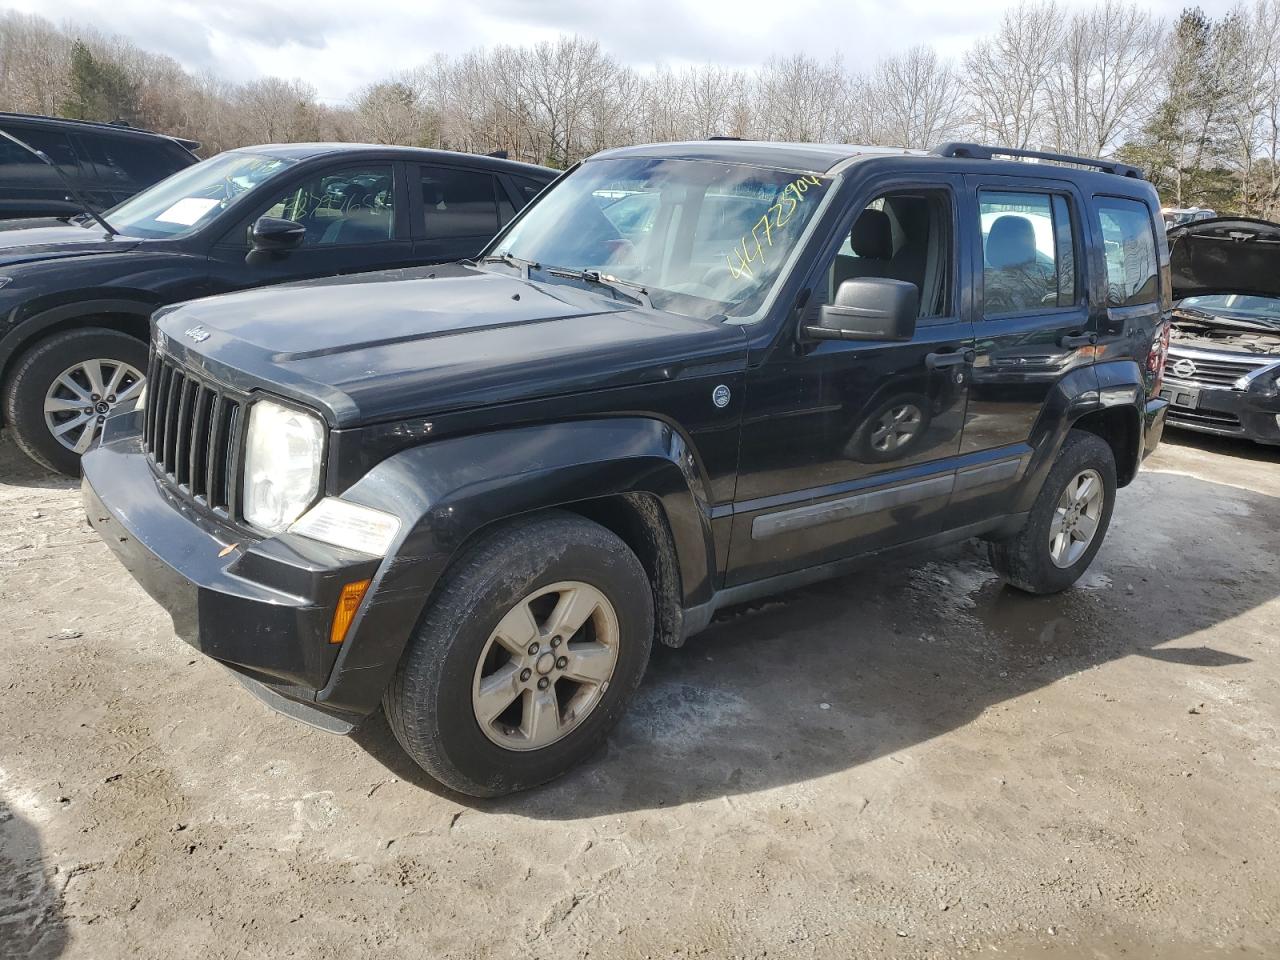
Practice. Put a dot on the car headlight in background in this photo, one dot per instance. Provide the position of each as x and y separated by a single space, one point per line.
351 525
281 464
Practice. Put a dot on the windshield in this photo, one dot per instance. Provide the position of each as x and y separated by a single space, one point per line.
191 197
703 239
1258 309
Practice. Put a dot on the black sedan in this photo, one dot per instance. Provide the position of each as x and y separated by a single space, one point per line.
76 295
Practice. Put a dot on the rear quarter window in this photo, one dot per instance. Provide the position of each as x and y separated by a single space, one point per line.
1129 249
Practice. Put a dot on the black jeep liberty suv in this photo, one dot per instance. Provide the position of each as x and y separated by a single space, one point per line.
686 376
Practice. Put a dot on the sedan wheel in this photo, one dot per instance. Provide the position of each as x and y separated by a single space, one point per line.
80 398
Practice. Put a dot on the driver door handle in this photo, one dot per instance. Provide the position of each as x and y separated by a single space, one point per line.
949 358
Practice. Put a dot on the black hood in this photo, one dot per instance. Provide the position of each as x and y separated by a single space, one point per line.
1225 255
403 343
22 241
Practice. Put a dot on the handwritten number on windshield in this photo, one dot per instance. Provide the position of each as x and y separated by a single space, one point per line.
751 249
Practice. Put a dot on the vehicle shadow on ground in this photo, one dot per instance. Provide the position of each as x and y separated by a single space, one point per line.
32 924
826 678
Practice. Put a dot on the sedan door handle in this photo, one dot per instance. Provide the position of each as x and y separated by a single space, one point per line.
1073 340
951 358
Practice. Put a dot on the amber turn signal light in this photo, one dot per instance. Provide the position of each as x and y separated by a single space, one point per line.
348 604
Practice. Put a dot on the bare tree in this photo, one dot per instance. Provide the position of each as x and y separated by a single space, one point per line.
915 100
1006 76
1101 87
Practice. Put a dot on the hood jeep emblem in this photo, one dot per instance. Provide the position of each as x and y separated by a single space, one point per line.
720 396
198 334
1184 368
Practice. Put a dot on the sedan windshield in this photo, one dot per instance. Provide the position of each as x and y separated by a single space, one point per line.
191 197
695 237
1265 310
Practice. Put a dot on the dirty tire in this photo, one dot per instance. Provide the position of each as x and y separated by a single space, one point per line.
1024 560
428 703
36 370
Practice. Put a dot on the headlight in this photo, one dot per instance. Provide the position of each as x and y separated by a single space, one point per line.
281 464
346 524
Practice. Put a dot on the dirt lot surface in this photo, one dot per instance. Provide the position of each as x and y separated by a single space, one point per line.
912 762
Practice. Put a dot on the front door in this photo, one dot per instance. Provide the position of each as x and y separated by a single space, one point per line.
352 215
851 446
1038 320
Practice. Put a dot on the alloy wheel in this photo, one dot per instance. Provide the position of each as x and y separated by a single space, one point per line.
546 666
1076 518
80 398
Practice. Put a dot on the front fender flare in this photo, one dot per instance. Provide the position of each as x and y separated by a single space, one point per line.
448 492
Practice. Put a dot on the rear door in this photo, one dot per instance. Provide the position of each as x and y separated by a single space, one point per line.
355 221
1037 320
457 211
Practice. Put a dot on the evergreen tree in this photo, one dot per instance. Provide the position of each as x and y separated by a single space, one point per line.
99 88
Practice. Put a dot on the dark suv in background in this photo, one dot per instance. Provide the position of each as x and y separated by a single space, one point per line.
76 298
689 375
107 162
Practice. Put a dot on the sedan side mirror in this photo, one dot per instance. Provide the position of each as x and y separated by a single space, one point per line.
869 308
271 237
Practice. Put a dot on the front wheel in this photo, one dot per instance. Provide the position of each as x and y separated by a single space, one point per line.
529 654
62 390
1067 522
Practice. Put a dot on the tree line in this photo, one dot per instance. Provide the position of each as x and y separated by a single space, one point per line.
1195 101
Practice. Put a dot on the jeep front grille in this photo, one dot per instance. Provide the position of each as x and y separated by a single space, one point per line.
1211 370
191 430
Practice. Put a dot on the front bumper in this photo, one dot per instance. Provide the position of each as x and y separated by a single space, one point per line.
261 607
1223 411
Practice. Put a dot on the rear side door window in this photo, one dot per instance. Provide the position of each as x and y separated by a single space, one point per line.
458 203
1028 252
123 160
1129 248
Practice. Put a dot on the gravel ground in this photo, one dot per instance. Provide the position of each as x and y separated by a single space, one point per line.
910 762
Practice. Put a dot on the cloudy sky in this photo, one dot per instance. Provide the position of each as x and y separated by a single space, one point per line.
338 45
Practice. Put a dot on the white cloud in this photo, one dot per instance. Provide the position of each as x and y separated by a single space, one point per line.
337 46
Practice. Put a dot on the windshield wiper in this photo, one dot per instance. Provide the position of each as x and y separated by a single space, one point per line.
633 291
66 181
511 260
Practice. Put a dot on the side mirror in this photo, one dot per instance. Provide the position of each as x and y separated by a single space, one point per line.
272 237
869 308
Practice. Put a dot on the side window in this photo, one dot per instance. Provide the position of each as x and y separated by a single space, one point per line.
1028 252
527 189
903 235
1129 247
349 206
57 146
129 161
459 203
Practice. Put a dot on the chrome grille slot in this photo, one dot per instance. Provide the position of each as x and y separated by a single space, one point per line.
1211 371
191 432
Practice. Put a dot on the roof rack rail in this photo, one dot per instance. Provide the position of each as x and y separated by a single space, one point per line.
977 151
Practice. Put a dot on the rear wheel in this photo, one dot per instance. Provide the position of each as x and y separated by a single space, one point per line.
61 391
1067 522
529 654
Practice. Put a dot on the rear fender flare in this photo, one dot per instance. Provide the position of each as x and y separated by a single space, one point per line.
1086 390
